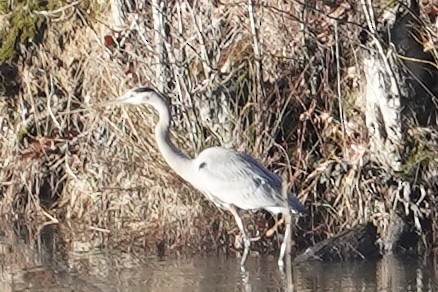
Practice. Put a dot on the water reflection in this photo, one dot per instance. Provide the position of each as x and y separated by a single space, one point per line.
42 260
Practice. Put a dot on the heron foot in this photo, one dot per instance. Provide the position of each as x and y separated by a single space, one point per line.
280 263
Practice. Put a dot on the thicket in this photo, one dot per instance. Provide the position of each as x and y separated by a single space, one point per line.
282 82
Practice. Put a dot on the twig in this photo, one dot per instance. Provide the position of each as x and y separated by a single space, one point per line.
158 18
35 202
257 51
338 75
49 108
201 38
62 9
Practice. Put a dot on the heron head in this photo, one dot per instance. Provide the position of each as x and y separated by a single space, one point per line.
137 96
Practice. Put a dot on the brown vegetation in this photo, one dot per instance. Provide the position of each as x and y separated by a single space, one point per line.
280 81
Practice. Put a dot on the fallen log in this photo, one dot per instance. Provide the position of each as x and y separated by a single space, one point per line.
356 243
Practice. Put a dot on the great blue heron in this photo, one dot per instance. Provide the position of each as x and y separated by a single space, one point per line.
231 180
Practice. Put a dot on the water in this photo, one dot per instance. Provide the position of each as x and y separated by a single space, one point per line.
41 265
214 274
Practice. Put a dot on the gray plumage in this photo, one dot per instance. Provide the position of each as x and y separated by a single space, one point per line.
230 179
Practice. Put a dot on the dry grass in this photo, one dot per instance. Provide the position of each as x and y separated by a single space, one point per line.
273 94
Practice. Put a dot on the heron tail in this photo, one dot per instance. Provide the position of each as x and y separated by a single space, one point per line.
295 205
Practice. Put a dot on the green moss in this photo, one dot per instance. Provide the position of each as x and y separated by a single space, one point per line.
93 7
22 132
420 155
390 3
24 24
3 6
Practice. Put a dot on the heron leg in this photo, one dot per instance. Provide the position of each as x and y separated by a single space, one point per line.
286 244
246 240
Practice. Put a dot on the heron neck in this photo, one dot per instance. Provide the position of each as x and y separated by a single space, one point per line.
177 160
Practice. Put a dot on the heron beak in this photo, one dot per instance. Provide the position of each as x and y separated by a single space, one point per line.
118 101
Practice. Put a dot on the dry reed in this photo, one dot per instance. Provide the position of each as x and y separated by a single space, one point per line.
279 81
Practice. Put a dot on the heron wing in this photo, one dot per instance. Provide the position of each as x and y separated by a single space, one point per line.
231 177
